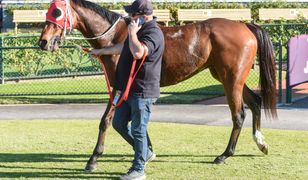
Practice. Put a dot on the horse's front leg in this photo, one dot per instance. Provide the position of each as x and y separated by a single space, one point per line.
99 148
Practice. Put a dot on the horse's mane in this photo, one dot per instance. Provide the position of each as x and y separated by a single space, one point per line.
112 17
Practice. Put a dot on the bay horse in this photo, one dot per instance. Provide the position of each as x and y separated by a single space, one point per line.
226 47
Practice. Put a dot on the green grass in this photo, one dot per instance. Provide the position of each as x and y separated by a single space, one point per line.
49 149
195 88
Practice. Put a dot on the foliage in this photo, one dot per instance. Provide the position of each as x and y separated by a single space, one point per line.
34 62
281 33
9 8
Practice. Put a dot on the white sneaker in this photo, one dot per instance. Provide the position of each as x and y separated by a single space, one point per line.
133 175
150 158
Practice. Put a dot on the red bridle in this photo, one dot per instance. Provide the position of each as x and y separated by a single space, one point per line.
65 20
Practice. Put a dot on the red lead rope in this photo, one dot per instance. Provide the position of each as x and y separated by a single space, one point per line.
130 81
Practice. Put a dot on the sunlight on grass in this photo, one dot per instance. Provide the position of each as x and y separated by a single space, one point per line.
48 149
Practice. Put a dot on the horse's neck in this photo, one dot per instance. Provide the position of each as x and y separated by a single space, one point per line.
116 35
120 32
93 25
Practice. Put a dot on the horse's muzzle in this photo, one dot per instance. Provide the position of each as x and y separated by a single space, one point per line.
51 45
43 44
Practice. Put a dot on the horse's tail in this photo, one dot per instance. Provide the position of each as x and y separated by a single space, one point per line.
267 70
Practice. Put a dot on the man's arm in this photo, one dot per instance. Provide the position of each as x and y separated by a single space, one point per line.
135 46
111 50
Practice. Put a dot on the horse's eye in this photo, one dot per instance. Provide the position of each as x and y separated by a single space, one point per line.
56 13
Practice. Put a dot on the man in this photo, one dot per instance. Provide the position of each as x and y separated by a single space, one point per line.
144 38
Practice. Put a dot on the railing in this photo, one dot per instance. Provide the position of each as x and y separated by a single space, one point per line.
81 79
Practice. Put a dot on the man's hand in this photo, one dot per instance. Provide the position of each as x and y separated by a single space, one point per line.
134 27
135 46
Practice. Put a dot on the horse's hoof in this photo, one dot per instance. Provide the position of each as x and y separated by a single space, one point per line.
90 167
264 148
219 160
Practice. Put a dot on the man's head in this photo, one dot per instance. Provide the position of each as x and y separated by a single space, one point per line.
139 7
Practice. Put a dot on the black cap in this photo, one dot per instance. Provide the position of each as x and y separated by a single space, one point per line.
140 7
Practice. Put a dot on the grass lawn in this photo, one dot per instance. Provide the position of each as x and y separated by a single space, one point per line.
59 149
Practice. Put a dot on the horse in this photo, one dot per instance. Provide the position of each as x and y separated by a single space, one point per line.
227 48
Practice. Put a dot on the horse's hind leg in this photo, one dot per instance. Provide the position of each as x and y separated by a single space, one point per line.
233 92
253 101
238 120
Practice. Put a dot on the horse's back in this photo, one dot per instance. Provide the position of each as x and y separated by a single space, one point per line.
228 31
219 31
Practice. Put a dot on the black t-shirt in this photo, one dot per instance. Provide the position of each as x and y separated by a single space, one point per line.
147 80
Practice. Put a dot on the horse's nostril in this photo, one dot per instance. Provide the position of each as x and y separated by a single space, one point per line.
42 44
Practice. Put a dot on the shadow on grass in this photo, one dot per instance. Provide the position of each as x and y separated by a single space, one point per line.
47 157
44 157
196 156
53 172
60 175
39 168
248 155
74 173
203 155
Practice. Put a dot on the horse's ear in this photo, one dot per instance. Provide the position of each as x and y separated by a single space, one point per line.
127 19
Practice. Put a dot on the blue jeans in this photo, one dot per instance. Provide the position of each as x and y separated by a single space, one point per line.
136 109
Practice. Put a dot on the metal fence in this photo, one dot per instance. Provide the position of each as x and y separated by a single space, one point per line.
25 70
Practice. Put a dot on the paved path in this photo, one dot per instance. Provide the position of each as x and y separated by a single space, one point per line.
293 117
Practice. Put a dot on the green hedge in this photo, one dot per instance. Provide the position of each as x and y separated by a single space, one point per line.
34 62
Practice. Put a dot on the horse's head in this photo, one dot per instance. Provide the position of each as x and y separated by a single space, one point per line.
58 21
98 25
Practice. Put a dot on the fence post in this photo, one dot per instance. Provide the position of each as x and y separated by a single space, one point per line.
1 60
1 16
280 72
288 87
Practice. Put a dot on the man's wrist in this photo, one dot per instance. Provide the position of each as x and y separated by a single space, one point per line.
101 51
132 33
